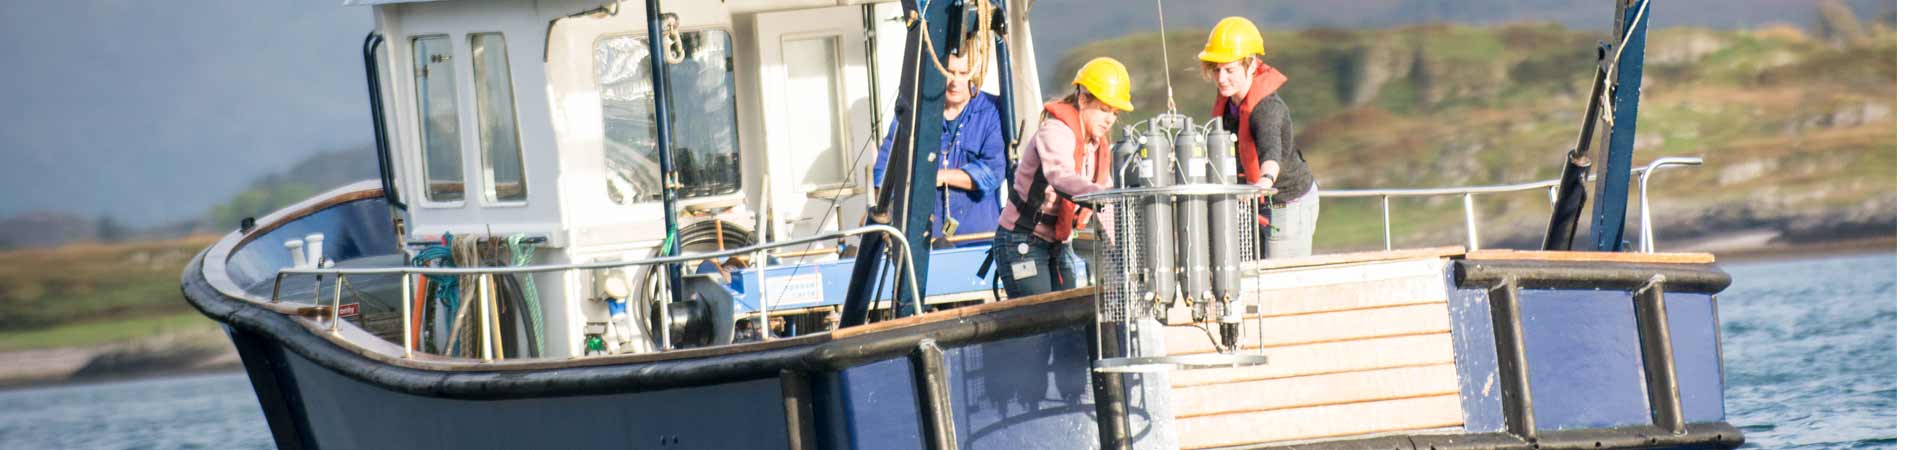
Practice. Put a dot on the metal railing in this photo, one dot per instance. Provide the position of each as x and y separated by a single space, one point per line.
1466 193
485 284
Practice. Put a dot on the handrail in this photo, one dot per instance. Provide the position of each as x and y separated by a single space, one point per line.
1467 192
1646 206
369 62
407 288
685 257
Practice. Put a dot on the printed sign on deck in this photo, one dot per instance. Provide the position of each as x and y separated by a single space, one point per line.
350 310
802 289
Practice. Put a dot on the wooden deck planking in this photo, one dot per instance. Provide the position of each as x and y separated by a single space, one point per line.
1331 357
1425 318
1289 278
1315 390
1350 419
1354 346
1339 297
1364 257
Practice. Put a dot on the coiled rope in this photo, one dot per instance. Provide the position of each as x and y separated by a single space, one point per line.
465 254
521 253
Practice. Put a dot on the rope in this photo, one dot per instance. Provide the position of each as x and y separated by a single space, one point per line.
521 254
464 254
1613 69
1166 62
981 38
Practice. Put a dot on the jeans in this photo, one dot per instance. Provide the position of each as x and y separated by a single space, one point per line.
1289 232
1028 265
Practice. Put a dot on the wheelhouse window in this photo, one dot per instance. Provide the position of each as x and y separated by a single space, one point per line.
706 147
439 118
501 165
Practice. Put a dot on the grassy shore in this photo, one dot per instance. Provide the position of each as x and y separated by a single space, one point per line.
93 283
105 332
95 310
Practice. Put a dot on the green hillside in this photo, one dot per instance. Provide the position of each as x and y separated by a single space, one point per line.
1798 133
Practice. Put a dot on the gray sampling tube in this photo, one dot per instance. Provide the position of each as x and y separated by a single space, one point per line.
1191 213
1127 172
1225 221
1158 218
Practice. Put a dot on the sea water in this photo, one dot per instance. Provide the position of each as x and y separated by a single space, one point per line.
1809 346
215 411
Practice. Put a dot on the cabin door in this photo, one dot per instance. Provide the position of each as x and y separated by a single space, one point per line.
815 92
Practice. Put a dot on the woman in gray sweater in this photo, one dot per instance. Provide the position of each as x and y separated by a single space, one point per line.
1249 106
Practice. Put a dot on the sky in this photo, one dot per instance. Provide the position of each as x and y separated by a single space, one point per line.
152 112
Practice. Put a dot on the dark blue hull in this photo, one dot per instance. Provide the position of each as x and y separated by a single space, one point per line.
1607 353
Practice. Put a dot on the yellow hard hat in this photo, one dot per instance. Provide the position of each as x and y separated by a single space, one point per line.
1107 80
1233 39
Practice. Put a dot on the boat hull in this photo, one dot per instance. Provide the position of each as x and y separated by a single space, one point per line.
1529 350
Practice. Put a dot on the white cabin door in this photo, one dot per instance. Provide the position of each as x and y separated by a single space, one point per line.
814 91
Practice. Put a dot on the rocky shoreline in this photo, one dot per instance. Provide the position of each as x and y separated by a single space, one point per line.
158 356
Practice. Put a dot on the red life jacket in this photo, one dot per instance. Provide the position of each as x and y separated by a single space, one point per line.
1069 216
1266 80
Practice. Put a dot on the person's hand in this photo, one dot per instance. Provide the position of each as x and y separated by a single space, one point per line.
953 178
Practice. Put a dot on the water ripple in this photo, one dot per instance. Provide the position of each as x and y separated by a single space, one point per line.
1809 347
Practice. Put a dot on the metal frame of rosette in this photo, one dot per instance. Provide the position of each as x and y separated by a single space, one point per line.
1131 311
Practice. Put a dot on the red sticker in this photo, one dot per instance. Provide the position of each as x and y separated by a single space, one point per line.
350 310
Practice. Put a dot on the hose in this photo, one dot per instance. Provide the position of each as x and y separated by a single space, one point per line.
443 288
705 235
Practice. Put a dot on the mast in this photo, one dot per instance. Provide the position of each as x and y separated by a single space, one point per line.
1610 199
905 200
1615 98
662 126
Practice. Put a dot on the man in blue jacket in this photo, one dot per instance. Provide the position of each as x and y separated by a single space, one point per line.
972 156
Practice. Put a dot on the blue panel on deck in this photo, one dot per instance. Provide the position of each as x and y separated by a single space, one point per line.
1475 358
1583 359
825 283
1696 356
1030 392
952 271
878 408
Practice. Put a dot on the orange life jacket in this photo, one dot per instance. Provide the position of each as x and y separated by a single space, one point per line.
1069 216
1266 80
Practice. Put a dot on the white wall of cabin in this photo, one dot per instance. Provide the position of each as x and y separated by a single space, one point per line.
558 107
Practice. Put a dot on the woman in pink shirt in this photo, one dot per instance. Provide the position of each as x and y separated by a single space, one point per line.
1067 156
